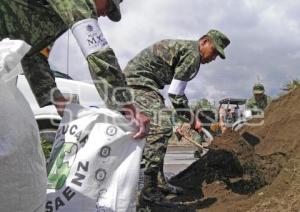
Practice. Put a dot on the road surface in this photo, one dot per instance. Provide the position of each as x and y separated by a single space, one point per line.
178 158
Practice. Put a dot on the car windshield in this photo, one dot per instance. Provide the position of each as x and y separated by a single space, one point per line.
61 75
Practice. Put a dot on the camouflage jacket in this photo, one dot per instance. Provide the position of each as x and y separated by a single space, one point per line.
252 104
39 23
157 65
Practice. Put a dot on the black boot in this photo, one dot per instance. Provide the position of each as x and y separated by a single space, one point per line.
166 187
150 191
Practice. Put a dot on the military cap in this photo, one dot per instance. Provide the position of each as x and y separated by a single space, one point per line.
220 41
114 12
258 88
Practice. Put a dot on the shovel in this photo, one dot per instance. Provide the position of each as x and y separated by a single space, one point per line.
250 138
182 133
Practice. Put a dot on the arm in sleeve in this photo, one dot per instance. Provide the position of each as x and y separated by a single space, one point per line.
80 16
108 78
180 103
37 29
188 67
40 78
248 105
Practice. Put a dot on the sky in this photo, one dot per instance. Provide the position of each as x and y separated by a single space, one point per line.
264 34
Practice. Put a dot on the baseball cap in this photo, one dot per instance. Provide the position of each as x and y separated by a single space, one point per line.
258 88
221 41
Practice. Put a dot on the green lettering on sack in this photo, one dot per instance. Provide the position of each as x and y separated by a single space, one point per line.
60 167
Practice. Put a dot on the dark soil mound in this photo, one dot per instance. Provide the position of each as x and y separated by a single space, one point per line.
256 169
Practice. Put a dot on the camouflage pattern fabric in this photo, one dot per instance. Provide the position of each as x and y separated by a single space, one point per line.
252 104
38 67
220 40
151 103
258 88
39 23
152 69
157 65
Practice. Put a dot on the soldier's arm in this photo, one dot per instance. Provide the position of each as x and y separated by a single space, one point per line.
37 31
188 68
80 16
40 78
248 105
180 103
269 100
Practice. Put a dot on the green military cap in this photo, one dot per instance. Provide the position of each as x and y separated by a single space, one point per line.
220 41
258 88
114 12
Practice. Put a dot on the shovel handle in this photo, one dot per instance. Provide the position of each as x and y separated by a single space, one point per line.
194 142
209 138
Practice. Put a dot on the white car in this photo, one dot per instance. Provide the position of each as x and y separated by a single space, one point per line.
47 117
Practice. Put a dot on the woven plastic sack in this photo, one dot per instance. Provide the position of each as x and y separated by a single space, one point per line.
23 170
94 163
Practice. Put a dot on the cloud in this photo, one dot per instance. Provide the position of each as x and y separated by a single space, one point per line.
264 41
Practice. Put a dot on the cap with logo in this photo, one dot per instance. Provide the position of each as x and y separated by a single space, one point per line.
114 12
258 88
220 40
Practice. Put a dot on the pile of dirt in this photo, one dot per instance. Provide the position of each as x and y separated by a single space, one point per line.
256 169
279 134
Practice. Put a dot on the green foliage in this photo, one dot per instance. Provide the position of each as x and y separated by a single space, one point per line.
46 146
291 85
203 104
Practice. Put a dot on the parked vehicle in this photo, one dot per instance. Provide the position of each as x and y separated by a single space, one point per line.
236 116
47 117
233 109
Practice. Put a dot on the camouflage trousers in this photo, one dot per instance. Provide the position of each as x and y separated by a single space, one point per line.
152 104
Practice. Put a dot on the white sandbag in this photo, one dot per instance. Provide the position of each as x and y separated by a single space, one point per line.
11 53
94 163
22 164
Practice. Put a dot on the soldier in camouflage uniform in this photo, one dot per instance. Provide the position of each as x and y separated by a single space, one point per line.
40 22
259 101
174 63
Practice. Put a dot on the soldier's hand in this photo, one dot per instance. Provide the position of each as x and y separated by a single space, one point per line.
141 121
197 125
143 124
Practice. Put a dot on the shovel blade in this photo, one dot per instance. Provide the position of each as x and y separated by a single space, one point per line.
250 138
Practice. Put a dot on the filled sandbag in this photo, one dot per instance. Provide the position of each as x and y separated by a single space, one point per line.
23 177
94 163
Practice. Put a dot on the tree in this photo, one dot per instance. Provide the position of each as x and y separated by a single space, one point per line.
203 104
291 85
